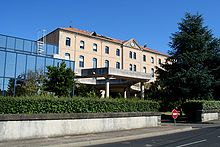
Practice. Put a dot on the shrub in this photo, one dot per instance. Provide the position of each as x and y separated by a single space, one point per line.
30 105
191 108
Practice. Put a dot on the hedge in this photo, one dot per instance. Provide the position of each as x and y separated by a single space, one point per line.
192 108
31 105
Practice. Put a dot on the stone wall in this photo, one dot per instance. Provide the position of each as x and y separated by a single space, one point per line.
14 127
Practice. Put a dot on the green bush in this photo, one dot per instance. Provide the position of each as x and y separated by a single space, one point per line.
192 108
30 105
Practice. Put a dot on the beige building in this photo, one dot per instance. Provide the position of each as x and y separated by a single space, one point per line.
130 63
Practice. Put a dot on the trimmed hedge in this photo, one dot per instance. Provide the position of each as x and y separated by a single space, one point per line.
194 107
31 105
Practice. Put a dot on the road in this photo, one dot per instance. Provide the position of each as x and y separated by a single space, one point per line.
209 136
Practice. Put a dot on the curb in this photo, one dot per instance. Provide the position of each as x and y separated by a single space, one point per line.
123 138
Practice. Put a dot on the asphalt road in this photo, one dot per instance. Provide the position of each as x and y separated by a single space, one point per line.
202 137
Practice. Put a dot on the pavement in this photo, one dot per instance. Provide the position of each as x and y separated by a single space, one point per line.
99 138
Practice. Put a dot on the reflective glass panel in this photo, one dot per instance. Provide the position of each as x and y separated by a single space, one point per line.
72 65
1 86
68 65
56 50
49 49
2 41
27 45
31 63
10 43
21 62
9 86
19 44
10 65
34 47
40 63
49 62
57 62
2 63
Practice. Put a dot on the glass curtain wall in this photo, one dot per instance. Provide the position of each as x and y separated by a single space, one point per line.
19 57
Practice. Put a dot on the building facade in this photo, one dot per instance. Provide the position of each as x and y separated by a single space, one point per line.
18 57
92 51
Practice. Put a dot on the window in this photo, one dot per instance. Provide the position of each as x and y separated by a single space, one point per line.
95 47
117 52
144 70
152 59
106 49
106 63
134 55
159 61
130 67
82 44
68 40
134 67
152 72
94 63
117 65
144 58
130 54
81 61
67 56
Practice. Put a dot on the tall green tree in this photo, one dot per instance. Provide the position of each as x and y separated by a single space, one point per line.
189 71
60 80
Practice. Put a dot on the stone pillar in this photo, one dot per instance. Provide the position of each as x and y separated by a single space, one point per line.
102 93
142 90
125 93
107 87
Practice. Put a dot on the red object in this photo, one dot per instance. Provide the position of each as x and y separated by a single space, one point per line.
175 113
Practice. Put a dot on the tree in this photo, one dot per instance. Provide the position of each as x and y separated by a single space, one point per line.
86 90
60 80
189 72
26 84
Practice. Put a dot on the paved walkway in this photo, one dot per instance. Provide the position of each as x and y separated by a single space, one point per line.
98 138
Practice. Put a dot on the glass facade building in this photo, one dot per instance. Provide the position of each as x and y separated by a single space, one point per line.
19 56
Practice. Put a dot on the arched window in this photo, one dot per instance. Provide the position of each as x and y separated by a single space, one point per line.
82 44
81 61
118 65
117 52
130 67
95 47
130 54
106 49
144 70
144 58
94 63
134 55
152 72
106 63
67 56
135 67
159 61
152 59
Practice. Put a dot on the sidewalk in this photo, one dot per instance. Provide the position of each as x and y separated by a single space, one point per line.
98 138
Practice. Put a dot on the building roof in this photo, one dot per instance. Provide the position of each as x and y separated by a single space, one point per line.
94 34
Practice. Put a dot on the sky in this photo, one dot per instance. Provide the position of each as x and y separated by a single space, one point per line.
149 22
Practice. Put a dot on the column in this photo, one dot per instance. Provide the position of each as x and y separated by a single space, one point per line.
102 93
125 93
107 87
142 90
